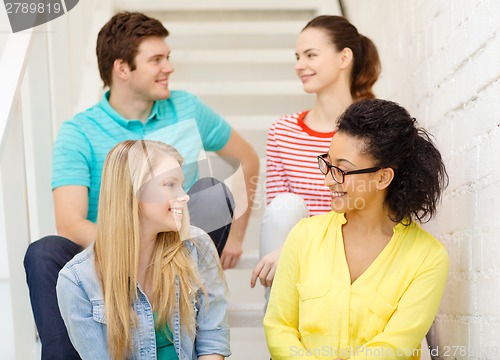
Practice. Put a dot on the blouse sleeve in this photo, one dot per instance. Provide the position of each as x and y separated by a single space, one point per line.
281 322
414 314
276 180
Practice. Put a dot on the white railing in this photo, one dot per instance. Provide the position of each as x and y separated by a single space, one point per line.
25 205
44 79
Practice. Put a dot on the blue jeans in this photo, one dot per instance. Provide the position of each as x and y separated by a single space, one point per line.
211 205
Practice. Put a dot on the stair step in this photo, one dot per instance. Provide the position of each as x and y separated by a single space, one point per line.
246 314
247 261
246 123
250 97
233 34
232 41
246 88
236 65
234 56
236 71
258 139
268 28
262 104
233 15
248 344
238 278
215 5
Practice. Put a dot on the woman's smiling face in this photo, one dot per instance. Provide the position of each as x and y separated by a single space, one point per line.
358 190
318 62
162 200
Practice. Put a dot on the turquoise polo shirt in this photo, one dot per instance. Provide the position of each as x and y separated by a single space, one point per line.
182 121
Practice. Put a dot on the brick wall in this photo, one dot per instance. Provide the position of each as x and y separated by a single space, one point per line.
441 60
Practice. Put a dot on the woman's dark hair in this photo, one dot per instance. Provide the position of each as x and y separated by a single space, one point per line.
120 38
394 139
343 34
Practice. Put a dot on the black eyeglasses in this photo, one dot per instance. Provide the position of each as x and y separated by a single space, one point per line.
337 173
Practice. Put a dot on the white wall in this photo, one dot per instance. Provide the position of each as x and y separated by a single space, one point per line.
4 29
441 60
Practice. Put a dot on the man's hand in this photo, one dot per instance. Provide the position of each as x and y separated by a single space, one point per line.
266 269
232 251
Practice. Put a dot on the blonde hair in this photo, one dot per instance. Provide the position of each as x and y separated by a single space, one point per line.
128 166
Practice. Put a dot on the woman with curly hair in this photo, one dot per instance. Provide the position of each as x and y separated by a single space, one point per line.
364 281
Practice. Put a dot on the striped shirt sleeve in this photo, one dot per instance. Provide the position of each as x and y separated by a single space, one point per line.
292 167
276 180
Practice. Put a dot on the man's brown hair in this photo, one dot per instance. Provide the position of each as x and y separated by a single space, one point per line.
120 38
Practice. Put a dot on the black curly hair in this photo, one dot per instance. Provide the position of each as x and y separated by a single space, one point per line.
394 139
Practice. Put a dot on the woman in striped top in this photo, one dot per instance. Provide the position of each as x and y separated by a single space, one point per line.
340 66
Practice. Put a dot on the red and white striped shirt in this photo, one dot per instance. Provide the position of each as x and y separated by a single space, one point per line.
291 153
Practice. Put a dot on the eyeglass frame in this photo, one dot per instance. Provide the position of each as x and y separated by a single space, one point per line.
321 158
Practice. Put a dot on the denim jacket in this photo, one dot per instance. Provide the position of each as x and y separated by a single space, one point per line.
81 303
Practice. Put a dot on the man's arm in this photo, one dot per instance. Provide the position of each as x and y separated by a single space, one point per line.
240 149
71 206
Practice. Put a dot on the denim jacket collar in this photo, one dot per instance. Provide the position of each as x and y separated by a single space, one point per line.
212 328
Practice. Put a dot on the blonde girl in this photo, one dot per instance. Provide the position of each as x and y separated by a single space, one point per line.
141 290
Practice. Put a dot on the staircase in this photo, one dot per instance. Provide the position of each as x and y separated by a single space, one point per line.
238 57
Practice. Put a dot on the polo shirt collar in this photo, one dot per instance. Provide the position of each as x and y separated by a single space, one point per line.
113 114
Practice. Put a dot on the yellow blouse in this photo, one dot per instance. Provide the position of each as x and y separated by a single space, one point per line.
315 313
